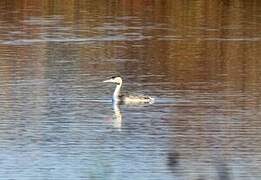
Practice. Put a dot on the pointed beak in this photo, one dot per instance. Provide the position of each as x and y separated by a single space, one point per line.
108 80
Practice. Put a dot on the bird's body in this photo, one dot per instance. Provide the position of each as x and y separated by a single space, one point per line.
136 99
118 98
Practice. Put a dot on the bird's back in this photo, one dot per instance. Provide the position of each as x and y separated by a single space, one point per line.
136 99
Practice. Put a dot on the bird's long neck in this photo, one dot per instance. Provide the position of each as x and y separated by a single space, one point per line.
117 92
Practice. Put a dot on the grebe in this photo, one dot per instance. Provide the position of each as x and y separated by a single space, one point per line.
127 99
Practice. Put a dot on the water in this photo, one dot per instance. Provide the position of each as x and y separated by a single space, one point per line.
200 60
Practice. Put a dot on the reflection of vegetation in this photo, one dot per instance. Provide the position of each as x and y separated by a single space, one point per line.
184 43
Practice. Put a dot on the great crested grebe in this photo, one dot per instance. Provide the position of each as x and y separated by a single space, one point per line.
118 98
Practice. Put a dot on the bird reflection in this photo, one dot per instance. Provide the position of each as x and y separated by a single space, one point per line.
117 117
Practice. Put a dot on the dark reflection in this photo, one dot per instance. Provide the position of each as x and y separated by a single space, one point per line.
180 167
200 178
223 171
173 160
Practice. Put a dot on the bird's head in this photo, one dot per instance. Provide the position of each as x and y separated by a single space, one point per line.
117 80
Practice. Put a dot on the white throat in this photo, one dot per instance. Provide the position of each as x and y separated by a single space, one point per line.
117 92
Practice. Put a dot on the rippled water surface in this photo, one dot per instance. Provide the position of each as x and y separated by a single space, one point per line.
200 60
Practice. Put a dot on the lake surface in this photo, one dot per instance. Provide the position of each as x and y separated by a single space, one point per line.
200 60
